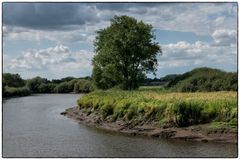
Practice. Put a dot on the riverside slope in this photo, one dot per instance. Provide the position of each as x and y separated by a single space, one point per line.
192 133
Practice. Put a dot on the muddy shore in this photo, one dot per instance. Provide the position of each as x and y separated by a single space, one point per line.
191 133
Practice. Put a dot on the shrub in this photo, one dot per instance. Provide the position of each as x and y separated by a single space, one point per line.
12 92
83 86
63 87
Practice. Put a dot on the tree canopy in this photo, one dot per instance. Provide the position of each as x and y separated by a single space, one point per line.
124 53
12 80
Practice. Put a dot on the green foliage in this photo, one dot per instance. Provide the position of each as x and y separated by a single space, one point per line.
12 80
83 86
204 79
66 79
64 87
13 85
75 85
34 84
12 91
125 52
46 88
165 108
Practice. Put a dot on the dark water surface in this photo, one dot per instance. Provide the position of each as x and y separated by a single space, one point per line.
33 127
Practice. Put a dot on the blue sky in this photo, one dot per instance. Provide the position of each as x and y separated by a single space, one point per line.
55 40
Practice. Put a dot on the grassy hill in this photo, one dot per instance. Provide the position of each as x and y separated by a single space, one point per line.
204 79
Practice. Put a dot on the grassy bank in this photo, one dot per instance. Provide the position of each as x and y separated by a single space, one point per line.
162 108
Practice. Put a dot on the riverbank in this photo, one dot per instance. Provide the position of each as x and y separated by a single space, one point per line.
200 116
202 132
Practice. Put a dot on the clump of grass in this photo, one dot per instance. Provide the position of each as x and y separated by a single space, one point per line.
165 108
221 127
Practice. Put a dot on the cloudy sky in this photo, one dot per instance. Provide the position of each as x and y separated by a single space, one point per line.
55 40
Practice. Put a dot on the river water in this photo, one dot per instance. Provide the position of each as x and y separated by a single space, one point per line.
33 127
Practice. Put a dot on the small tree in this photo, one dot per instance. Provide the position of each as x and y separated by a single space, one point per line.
124 52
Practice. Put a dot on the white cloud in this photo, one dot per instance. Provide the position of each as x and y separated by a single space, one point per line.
199 53
59 60
199 18
83 34
183 50
224 37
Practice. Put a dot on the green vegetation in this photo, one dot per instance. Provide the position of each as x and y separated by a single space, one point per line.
14 85
12 80
164 109
124 52
36 85
204 79
83 86
13 92
222 127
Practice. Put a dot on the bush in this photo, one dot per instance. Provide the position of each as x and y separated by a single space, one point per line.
12 92
63 87
34 84
83 86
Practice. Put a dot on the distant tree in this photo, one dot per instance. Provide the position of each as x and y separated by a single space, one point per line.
83 86
34 84
168 78
63 88
67 79
12 80
124 52
56 81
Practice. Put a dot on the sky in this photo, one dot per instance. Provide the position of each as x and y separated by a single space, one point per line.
55 40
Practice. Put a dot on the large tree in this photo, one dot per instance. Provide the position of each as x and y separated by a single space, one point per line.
124 52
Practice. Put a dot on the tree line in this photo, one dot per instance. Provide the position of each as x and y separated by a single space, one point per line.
14 85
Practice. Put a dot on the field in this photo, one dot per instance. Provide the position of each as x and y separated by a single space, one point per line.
164 108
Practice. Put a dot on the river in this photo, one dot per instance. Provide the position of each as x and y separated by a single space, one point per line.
33 127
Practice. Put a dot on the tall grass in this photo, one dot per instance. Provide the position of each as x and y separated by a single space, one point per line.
163 108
